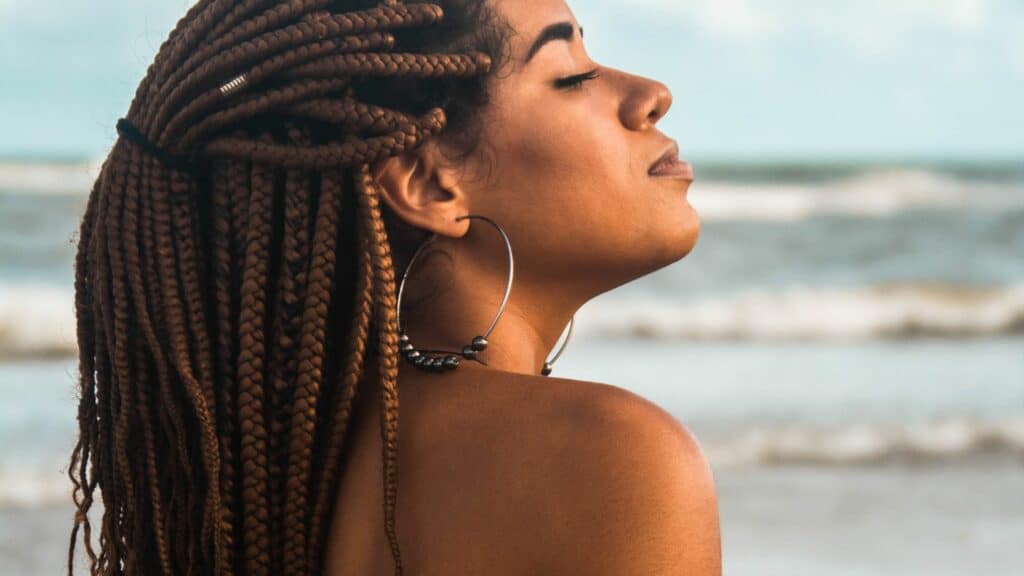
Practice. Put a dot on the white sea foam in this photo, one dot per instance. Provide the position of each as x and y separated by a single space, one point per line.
49 178
33 486
38 320
882 311
933 441
873 193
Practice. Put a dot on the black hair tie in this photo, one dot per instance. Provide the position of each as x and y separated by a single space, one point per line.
129 131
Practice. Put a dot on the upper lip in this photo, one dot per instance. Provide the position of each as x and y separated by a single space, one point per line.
670 155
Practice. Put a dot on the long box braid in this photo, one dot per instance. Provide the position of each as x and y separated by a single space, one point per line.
231 287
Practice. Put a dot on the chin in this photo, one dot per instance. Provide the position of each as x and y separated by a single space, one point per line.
681 238
692 228
663 250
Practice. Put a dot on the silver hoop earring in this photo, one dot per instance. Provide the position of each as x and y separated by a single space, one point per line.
445 360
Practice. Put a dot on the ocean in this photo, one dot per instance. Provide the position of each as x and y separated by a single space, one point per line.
846 341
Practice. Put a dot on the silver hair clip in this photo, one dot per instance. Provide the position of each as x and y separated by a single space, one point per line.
233 85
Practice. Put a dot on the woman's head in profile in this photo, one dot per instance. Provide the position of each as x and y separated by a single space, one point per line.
565 146
236 279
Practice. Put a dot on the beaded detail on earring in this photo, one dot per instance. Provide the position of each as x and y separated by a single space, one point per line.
446 360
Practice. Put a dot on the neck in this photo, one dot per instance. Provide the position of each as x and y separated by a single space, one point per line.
461 306
521 342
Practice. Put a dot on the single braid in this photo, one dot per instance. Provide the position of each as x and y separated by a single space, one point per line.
228 303
236 181
353 371
224 284
387 333
250 376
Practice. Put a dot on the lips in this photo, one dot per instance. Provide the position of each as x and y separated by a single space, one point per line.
670 165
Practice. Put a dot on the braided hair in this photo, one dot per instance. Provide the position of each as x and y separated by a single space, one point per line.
234 276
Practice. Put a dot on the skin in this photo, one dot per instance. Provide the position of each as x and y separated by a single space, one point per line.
565 173
491 457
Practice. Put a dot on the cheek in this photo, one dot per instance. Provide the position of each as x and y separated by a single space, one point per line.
576 193
566 176
565 163
591 182
587 164
574 206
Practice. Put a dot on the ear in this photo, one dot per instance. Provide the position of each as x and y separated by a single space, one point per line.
422 189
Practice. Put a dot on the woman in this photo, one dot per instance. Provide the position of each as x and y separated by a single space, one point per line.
283 167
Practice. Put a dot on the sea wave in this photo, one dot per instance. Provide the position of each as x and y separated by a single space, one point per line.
871 193
49 177
885 311
37 321
34 486
945 440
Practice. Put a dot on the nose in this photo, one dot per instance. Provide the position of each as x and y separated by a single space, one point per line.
646 102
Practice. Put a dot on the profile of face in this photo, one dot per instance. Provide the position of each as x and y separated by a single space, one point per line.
562 167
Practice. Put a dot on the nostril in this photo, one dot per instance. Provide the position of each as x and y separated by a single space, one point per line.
646 104
661 101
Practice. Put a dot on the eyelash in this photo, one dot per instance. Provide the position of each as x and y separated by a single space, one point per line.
575 82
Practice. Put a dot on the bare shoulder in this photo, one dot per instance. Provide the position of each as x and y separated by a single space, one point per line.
594 479
637 495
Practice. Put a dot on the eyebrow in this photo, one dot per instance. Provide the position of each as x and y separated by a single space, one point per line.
559 31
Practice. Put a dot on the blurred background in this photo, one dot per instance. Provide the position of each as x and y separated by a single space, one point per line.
846 340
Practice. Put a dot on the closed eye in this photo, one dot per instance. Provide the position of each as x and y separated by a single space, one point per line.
575 82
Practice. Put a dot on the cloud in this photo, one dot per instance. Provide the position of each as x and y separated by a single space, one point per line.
870 26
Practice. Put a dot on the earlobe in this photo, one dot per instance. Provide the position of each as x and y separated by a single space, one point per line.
421 190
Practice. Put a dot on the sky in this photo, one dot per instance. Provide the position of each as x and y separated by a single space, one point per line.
751 79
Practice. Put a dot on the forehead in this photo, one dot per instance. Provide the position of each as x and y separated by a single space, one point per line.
529 17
